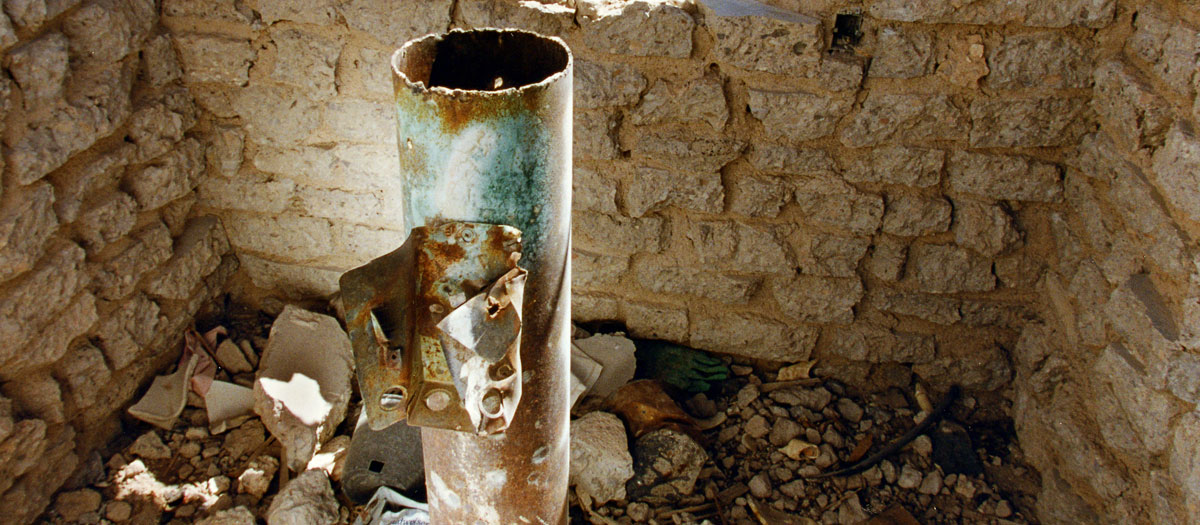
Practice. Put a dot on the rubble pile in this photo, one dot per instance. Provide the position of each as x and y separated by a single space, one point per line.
769 443
708 441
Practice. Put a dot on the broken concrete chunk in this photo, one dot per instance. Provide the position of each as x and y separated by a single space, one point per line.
600 460
615 354
230 357
305 500
666 466
303 383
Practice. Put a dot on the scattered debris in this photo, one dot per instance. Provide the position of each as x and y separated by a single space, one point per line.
759 447
379 511
585 371
303 384
257 478
600 460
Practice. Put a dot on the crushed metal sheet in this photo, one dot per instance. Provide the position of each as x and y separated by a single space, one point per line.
479 334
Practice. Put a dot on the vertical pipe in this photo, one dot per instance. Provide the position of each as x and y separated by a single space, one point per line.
484 129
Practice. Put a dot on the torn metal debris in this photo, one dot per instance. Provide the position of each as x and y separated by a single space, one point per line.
440 346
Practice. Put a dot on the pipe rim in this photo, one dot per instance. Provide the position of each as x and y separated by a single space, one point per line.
405 61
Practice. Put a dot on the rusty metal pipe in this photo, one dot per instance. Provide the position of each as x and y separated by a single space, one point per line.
484 129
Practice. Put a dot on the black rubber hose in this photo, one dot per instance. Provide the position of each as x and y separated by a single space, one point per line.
932 419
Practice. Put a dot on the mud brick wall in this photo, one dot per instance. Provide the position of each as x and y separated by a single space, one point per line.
102 262
1107 382
997 193
742 184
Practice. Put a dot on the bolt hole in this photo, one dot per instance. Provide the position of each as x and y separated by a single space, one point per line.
392 398
501 371
492 403
375 466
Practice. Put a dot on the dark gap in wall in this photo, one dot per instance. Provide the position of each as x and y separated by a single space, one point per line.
846 31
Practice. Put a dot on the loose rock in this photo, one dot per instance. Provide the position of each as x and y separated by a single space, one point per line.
305 500
256 479
72 506
600 459
150 446
666 464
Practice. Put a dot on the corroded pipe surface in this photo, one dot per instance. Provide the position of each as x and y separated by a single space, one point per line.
484 123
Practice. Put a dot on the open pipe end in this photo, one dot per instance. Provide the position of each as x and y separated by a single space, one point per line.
481 60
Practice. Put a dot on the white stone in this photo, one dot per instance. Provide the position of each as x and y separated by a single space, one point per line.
1177 169
944 269
198 253
702 99
771 40
652 189
99 32
912 216
391 23
985 228
256 479
818 299
1004 177
305 60
275 114
109 219
24 229
600 459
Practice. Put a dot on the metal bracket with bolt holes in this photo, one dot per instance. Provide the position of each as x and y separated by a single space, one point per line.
436 328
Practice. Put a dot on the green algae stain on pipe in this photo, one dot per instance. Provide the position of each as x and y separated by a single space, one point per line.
483 155
484 128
